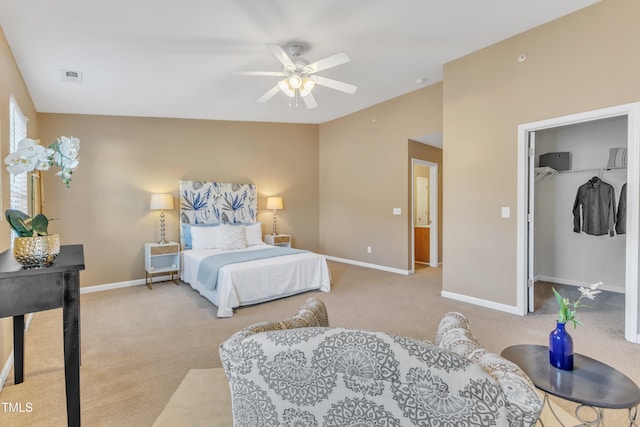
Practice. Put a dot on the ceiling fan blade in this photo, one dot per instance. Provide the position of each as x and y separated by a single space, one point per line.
335 84
282 56
267 96
261 73
328 62
310 101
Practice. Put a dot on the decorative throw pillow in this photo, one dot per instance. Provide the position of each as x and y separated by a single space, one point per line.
205 237
232 236
187 238
254 233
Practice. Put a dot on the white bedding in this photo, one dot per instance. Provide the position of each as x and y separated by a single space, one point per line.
257 281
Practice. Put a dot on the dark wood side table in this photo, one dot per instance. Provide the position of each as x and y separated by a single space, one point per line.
591 384
26 290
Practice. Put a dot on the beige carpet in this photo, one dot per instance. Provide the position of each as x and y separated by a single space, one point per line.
139 344
202 399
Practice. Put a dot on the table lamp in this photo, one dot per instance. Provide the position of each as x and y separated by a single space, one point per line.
162 202
274 203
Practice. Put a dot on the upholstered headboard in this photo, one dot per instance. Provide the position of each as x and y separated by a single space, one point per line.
203 202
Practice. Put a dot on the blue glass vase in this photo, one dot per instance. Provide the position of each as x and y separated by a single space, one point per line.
561 348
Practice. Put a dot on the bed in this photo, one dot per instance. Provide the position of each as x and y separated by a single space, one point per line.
224 257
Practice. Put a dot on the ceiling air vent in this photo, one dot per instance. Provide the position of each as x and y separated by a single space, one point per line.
71 76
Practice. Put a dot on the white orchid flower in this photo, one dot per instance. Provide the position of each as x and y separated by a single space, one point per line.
30 155
18 163
67 152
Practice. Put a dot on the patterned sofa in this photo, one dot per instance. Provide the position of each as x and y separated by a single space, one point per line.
301 372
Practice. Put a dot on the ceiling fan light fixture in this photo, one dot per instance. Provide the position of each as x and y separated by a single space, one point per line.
286 88
307 86
295 81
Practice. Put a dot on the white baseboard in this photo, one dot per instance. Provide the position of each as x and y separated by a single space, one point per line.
369 265
5 371
118 285
481 302
576 283
9 364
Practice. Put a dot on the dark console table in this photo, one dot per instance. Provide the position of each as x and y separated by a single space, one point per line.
26 290
591 384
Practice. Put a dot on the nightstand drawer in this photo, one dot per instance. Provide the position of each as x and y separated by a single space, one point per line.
164 250
278 240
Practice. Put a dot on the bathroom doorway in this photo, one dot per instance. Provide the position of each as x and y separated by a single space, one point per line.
424 212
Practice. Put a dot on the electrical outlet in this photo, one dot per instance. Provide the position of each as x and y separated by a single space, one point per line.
368 249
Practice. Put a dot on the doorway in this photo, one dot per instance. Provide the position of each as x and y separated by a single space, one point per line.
525 233
424 213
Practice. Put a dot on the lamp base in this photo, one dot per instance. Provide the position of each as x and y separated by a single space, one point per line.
162 239
275 230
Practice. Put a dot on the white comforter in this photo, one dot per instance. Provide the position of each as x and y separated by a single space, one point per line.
257 281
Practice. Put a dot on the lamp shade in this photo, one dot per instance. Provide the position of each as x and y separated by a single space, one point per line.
161 201
274 202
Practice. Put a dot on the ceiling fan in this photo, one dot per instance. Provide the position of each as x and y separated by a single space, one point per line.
300 76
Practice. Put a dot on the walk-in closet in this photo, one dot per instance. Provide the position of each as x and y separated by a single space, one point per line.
590 154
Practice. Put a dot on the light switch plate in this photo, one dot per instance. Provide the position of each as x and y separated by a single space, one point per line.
506 212
397 211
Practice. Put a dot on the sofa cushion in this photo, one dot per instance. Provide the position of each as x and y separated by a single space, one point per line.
337 376
301 372
523 403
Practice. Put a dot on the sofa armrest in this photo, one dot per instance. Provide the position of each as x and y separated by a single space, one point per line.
312 314
523 403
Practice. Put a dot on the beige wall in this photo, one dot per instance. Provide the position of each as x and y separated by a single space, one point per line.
584 61
11 83
341 180
431 154
363 176
124 159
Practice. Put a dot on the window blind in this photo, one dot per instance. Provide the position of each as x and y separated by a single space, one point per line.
18 185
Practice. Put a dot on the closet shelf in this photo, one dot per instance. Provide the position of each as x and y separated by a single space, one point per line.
593 170
544 173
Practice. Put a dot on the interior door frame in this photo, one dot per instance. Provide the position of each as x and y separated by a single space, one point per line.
531 259
433 212
632 269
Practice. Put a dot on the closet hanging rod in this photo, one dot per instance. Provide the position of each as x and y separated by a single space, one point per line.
592 170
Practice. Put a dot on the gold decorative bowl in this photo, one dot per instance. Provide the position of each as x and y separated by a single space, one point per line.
36 251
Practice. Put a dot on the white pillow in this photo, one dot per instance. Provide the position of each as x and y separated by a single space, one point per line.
232 236
205 237
254 234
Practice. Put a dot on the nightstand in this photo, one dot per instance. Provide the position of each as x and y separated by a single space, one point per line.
161 258
283 240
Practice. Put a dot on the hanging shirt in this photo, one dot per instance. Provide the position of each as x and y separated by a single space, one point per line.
621 218
595 208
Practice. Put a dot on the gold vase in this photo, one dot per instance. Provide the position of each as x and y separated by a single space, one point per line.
36 251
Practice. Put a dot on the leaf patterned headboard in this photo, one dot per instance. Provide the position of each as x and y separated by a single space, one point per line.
205 202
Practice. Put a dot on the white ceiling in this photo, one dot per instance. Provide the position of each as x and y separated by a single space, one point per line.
163 58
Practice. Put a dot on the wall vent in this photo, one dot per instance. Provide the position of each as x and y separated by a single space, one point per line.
71 76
